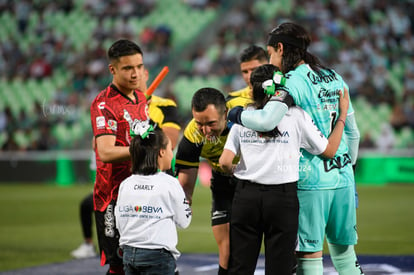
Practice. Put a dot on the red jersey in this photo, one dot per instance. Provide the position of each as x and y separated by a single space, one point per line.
110 112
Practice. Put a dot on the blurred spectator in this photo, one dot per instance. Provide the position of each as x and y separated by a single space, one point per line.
3 121
10 144
367 142
386 138
409 112
407 43
45 140
123 28
400 22
40 68
409 77
162 39
202 63
25 122
10 123
22 10
97 64
398 119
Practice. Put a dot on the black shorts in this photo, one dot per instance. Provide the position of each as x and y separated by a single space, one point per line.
108 236
222 192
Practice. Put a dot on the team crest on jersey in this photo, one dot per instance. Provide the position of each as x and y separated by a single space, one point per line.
147 112
279 95
100 122
112 124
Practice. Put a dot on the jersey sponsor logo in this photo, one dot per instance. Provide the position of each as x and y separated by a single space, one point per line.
109 221
316 79
327 107
336 162
255 137
254 134
112 124
219 214
357 265
328 96
100 122
140 209
101 105
128 118
146 110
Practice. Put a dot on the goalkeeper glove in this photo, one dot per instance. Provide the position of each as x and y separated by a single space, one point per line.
234 115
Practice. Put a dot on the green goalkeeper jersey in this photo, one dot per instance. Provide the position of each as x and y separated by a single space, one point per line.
318 96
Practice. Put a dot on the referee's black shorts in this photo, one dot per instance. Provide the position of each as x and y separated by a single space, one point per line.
222 192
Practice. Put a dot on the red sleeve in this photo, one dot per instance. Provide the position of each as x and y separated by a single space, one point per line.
103 118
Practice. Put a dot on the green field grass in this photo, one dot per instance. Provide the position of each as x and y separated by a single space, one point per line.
40 223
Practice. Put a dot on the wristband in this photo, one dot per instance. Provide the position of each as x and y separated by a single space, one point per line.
341 120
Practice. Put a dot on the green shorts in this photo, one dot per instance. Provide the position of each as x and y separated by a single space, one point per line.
326 212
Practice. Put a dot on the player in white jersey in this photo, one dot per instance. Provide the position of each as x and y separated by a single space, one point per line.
150 205
326 188
265 201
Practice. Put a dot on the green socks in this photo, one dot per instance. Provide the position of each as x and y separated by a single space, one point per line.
309 266
344 259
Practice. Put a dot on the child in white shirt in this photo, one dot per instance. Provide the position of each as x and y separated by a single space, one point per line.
150 205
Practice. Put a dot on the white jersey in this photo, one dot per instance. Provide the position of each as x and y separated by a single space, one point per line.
148 210
275 160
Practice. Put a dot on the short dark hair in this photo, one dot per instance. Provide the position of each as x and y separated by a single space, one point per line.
123 47
206 96
144 152
253 52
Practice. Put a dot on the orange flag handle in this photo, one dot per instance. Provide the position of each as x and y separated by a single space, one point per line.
156 81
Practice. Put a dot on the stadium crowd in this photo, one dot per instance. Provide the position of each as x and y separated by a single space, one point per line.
370 43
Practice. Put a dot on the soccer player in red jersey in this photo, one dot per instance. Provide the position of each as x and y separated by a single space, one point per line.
112 112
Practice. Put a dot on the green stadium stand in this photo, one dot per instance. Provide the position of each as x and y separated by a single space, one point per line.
370 118
22 139
185 87
76 131
268 10
405 138
62 134
186 25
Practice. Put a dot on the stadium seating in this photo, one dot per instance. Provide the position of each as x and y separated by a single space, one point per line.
187 25
78 26
184 88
